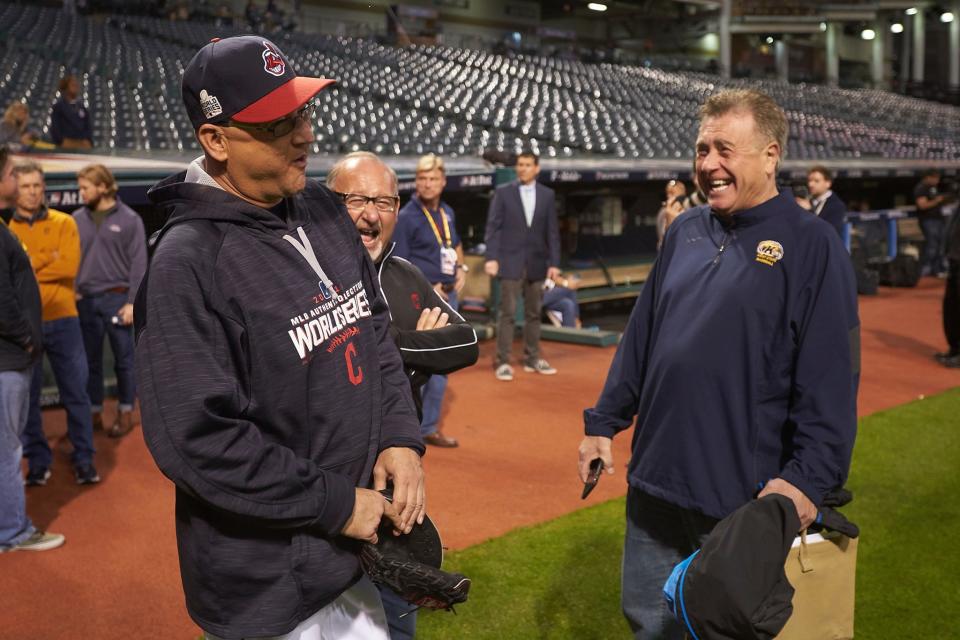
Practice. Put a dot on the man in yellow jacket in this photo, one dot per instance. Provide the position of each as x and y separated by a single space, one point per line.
53 245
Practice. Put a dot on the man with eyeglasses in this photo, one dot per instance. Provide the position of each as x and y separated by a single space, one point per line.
272 393
433 338
427 236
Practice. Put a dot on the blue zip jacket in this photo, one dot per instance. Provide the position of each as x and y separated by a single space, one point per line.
740 361
269 384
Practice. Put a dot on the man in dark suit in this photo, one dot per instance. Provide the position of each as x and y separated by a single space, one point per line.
523 249
823 201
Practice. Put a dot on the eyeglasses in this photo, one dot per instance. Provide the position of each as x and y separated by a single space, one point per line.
356 202
283 126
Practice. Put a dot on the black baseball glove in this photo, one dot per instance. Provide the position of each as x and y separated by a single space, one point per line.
409 564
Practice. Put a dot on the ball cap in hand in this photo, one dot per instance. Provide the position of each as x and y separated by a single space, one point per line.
245 79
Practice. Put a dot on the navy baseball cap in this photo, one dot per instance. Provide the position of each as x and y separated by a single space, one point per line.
245 79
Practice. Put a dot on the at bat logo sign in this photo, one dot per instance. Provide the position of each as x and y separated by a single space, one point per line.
273 62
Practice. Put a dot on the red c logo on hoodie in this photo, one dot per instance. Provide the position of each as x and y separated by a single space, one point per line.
355 375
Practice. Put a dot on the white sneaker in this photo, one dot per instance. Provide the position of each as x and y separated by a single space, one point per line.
39 541
504 372
540 366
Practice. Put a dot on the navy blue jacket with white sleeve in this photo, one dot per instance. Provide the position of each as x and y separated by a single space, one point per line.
740 362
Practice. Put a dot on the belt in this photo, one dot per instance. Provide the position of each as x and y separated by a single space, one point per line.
106 291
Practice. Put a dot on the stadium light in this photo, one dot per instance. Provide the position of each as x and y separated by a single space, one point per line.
769 39
597 6
946 16
896 27
912 11
868 34
823 26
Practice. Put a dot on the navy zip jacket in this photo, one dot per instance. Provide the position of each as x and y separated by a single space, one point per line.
740 361
269 385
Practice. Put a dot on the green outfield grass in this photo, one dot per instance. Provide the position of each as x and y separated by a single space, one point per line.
561 579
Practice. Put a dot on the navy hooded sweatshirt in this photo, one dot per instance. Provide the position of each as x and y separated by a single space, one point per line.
269 384
740 361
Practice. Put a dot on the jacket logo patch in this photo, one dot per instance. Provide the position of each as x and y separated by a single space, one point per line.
115 228
335 320
769 252
272 60
210 105
415 299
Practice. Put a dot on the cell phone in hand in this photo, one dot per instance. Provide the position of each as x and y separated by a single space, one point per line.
596 468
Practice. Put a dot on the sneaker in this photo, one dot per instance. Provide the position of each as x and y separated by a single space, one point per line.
504 372
540 366
944 356
86 474
37 477
556 318
97 419
39 541
952 363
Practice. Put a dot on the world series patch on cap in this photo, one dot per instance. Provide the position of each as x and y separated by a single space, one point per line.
245 79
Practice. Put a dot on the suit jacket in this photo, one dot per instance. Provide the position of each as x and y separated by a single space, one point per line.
835 212
522 251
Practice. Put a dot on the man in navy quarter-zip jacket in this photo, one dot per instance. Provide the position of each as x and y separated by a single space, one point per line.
271 392
740 361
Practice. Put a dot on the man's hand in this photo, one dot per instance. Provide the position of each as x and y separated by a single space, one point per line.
126 314
593 447
806 510
460 281
368 510
491 268
440 292
434 318
553 273
402 466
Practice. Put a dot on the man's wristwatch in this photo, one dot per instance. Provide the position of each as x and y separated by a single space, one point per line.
463 267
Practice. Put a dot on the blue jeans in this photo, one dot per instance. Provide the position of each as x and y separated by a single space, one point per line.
63 346
932 228
15 525
563 300
659 535
433 391
96 314
394 606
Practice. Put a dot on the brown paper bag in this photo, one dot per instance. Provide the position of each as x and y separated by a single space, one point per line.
822 570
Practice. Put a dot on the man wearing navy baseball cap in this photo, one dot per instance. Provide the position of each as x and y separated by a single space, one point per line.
273 396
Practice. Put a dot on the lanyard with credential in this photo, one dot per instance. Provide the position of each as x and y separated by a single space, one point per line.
436 231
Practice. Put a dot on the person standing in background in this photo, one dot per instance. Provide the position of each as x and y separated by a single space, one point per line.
113 259
823 201
53 244
70 126
523 249
426 235
929 201
20 348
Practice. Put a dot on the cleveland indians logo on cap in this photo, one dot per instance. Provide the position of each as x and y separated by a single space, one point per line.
273 62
